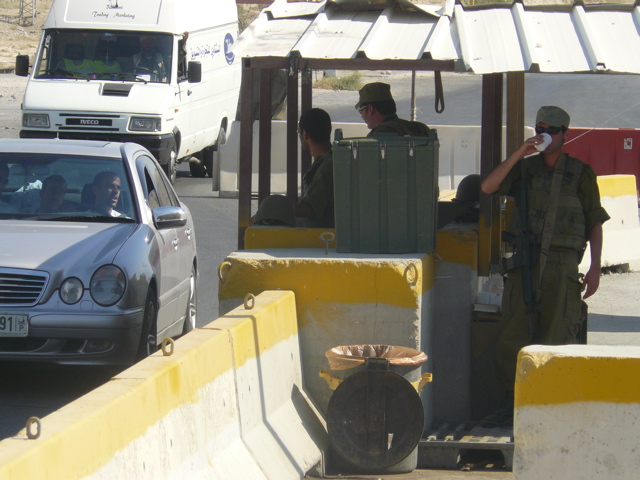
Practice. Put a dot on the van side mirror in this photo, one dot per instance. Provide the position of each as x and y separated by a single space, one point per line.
22 65
195 72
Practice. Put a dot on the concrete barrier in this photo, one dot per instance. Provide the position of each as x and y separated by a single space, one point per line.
228 404
576 413
341 299
621 243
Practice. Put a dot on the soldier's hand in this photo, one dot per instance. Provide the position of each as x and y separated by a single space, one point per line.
591 282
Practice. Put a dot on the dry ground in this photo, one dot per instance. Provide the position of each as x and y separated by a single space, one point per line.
18 37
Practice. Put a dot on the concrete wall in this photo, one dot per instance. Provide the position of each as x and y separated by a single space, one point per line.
459 154
228 404
576 413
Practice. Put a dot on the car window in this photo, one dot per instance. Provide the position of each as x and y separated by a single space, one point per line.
63 187
158 192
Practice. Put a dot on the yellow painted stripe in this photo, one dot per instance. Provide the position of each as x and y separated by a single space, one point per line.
349 281
256 330
281 237
458 247
545 379
82 437
617 185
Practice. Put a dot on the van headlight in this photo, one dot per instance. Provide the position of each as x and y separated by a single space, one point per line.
107 285
145 124
37 120
71 290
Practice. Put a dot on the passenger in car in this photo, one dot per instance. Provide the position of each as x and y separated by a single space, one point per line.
5 207
106 190
54 188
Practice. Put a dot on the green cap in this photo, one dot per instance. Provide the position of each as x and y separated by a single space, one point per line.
374 92
554 116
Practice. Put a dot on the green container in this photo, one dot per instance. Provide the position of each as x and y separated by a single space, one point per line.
386 193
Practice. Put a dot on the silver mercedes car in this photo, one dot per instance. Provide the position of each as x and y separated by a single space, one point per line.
98 259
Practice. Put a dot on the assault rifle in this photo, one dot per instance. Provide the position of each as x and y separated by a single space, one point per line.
525 256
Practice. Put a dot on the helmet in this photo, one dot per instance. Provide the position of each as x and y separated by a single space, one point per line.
276 210
468 189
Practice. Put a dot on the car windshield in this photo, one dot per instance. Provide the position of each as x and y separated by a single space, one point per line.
52 187
105 55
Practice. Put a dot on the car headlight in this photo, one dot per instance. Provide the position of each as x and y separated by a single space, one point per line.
107 285
145 124
71 290
37 120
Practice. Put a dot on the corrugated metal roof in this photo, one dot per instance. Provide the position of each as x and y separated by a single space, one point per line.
534 36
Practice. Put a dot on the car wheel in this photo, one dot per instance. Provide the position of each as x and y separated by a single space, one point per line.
190 315
171 168
196 166
148 343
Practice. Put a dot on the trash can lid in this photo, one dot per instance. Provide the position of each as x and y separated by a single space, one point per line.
375 419
350 356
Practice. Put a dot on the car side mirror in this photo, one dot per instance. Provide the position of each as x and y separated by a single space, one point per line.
22 65
195 72
169 217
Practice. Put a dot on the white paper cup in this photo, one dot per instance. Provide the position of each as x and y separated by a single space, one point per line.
545 143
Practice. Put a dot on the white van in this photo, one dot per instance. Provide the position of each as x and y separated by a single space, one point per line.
156 72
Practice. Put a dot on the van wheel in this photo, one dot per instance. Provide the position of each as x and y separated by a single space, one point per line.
148 342
171 167
196 165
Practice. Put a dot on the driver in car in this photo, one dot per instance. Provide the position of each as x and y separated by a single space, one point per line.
106 189
149 60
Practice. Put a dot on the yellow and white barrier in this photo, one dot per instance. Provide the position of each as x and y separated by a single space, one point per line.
576 413
341 299
227 404
621 243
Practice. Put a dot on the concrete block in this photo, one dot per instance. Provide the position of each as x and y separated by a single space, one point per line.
576 412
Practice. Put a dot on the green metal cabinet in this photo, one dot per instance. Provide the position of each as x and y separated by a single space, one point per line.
386 193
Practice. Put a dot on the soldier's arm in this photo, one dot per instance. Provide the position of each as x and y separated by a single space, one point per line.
592 278
492 182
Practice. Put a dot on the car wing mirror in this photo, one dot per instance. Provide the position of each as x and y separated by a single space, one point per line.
169 217
22 65
195 72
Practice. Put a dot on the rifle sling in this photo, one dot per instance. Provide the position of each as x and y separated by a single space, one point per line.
550 216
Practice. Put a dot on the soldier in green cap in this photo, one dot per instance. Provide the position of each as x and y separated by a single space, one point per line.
378 110
314 209
563 215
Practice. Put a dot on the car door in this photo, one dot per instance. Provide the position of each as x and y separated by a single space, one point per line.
186 245
168 270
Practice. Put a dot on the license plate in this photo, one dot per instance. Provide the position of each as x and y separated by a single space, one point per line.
13 325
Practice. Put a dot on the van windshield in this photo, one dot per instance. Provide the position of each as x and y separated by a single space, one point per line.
105 55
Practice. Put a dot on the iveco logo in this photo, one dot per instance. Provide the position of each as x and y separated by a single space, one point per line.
84 121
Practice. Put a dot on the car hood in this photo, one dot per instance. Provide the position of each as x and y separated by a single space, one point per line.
52 246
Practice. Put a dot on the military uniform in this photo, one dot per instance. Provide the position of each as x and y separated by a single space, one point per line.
578 210
393 124
317 188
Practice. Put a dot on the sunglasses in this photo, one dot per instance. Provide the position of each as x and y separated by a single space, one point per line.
362 107
549 130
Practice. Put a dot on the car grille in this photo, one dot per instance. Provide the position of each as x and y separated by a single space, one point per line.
21 287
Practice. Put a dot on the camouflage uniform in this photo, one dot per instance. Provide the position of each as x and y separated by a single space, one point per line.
560 287
317 188
393 124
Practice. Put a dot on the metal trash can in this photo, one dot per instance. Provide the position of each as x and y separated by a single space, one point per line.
375 417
